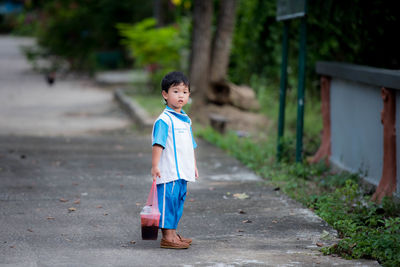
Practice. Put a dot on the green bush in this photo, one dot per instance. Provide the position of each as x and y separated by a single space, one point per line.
84 33
355 31
159 49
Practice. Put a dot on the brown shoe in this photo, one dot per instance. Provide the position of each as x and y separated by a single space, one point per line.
175 245
185 240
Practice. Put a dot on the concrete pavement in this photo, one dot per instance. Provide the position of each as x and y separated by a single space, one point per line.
72 197
29 106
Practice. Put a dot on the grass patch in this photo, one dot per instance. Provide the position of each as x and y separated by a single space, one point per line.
153 104
368 230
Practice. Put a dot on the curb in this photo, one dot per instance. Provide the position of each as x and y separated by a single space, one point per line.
137 114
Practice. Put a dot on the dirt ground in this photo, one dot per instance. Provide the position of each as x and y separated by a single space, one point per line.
245 122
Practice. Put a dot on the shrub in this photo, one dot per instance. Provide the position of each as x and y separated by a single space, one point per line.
159 49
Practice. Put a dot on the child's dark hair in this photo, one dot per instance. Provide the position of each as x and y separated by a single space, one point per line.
172 79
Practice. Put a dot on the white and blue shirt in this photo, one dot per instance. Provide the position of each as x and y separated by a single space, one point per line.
173 131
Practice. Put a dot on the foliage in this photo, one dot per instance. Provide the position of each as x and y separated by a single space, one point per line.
268 94
26 24
157 48
84 31
368 230
354 31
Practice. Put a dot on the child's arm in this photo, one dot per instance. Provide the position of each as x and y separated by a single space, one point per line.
196 172
155 158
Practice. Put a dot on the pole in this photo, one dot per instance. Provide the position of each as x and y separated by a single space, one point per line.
282 90
301 88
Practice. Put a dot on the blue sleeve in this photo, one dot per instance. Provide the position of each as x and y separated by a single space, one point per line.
194 142
160 133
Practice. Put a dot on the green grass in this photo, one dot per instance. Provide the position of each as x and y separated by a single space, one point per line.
153 104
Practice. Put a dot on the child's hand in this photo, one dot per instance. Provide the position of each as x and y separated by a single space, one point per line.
155 172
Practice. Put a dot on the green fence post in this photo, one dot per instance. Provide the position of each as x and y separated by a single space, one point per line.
282 90
301 86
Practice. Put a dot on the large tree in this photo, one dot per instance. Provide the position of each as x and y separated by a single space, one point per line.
210 56
201 49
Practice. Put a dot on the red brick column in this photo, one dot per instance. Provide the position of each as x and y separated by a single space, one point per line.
387 184
324 151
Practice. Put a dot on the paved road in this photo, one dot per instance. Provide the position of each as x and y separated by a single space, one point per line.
28 106
105 178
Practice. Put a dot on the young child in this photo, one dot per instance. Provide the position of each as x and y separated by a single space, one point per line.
173 159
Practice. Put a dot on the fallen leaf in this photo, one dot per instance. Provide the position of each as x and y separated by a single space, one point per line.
240 196
242 212
75 184
105 214
30 230
246 221
71 209
132 242
12 246
319 244
56 163
118 147
78 201
99 207
63 200
325 235
138 203
51 218
240 231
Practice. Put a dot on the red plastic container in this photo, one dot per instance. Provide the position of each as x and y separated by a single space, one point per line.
150 216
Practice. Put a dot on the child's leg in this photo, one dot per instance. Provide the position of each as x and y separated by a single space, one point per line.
182 187
169 235
168 202
180 205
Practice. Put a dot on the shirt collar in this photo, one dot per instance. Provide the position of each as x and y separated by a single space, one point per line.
182 116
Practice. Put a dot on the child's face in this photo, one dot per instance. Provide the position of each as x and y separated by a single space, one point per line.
177 96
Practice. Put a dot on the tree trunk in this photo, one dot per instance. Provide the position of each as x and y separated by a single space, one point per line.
158 12
222 41
201 50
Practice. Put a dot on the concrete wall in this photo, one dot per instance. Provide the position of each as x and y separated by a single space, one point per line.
356 128
357 132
